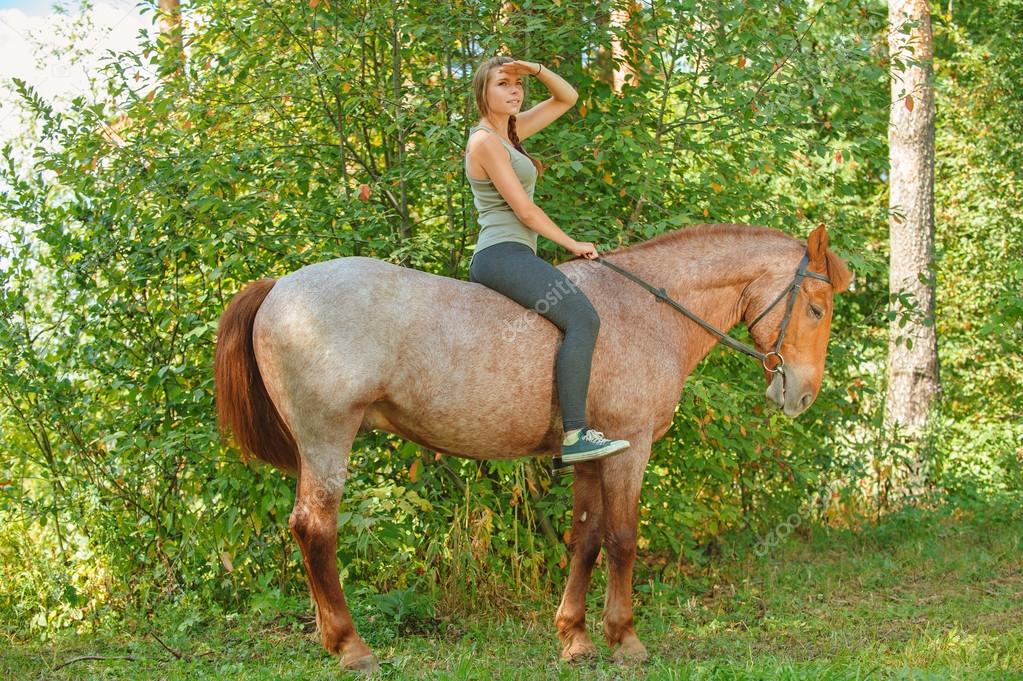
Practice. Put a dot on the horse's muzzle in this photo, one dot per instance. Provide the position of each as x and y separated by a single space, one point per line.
790 392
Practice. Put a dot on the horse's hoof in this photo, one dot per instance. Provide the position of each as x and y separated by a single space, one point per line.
630 651
578 650
366 664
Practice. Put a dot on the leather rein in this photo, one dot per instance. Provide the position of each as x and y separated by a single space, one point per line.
791 290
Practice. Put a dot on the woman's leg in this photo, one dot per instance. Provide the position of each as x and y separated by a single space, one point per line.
512 269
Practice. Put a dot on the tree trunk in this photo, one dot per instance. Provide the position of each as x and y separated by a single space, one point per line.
620 63
172 51
399 124
913 384
615 63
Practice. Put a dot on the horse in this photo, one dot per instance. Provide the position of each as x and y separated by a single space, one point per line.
305 363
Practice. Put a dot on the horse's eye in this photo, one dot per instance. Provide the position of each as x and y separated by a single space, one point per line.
817 311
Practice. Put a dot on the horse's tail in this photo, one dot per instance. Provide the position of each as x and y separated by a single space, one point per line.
244 408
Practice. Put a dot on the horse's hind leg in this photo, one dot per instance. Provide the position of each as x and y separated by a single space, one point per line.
324 467
587 533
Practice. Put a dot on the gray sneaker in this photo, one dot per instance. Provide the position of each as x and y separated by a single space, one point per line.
589 445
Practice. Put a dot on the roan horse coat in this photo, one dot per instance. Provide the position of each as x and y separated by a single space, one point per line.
306 363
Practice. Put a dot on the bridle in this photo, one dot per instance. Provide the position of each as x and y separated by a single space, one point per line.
791 290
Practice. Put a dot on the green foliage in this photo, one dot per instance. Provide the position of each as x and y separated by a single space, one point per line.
144 211
980 279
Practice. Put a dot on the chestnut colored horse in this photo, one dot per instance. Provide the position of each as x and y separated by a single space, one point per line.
305 363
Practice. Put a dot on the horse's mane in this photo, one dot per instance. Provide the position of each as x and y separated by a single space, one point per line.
676 237
725 234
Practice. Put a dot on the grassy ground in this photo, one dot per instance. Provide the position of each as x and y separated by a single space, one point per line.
934 596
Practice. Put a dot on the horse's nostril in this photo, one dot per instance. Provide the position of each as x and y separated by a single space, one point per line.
806 400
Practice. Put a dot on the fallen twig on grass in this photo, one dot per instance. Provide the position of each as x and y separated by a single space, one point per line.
93 657
166 647
177 655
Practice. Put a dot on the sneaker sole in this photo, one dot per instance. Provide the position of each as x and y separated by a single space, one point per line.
571 459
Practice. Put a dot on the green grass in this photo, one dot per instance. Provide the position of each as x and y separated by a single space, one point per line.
922 596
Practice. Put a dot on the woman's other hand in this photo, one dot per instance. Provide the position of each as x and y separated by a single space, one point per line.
583 248
520 68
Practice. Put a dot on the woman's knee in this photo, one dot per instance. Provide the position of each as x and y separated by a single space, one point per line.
585 319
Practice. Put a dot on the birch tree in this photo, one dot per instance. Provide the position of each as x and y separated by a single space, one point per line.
913 384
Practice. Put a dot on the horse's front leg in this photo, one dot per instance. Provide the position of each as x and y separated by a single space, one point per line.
621 480
587 533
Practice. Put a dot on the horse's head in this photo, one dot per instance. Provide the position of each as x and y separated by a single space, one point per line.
795 378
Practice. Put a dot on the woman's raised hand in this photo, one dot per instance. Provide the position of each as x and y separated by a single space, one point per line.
583 248
520 68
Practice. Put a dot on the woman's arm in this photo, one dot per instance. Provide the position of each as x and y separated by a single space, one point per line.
492 155
563 97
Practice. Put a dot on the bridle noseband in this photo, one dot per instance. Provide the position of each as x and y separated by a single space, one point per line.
792 289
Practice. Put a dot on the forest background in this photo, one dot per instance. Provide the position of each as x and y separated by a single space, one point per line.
282 134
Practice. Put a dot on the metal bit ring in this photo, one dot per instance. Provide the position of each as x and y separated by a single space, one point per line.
778 367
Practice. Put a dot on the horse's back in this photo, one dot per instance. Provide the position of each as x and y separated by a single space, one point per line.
427 351
354 293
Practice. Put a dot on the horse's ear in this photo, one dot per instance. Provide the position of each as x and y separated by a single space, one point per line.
838 273
817 247
823 259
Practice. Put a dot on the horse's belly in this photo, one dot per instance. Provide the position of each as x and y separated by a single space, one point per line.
475 415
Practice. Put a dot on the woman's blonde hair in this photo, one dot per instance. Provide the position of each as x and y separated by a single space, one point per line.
479 87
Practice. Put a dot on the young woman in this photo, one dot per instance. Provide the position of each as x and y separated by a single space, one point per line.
503 176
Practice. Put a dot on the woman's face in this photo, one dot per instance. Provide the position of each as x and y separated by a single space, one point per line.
504 92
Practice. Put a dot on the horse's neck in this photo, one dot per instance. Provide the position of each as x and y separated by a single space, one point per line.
715 278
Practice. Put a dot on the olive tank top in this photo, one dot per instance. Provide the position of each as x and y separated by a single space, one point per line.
497 220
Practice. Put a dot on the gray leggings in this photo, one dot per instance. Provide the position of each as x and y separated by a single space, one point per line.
512 269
